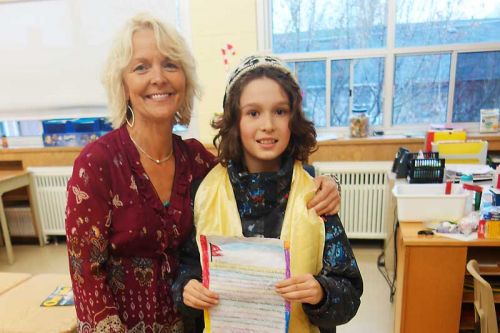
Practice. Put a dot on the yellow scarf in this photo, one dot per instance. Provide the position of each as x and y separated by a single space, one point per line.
216 213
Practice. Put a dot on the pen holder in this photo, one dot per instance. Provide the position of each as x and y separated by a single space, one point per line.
429 169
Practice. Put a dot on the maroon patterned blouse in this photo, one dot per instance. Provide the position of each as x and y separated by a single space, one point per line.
122 241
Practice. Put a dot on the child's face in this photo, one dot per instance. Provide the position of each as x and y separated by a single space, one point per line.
265 116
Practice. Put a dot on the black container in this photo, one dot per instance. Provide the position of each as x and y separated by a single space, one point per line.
429 169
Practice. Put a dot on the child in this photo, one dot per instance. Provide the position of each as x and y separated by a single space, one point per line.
263 139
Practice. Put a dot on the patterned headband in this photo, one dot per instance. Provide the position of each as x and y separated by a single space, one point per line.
252 62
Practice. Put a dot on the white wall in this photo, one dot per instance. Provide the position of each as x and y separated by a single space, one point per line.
214 24
52 53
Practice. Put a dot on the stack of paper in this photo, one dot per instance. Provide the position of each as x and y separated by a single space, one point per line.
479 172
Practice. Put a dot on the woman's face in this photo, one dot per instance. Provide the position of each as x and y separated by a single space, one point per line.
155 86
264 124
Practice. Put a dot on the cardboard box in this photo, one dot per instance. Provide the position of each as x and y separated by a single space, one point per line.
492 230
489 121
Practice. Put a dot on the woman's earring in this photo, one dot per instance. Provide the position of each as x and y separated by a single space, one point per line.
132 116
178 117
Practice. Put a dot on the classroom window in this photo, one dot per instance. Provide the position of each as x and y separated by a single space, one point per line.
311 76
445 22
421 89
476 87
442 57
306 26
356 84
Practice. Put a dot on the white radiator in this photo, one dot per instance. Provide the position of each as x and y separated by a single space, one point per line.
365 195
49 187
20 221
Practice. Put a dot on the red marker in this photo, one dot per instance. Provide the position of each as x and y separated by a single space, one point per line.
470 187
481 229
448 187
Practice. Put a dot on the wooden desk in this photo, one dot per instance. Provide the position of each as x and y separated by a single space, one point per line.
11 180
430 279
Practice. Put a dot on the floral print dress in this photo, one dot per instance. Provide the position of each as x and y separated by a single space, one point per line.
122 240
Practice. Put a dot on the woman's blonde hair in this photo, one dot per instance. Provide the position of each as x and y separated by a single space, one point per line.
170 43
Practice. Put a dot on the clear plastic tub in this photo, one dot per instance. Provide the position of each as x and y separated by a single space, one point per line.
428 202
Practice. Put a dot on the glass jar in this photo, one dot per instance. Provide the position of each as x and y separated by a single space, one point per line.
359 124
5 143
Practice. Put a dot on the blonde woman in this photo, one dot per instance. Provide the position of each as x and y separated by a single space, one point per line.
129 202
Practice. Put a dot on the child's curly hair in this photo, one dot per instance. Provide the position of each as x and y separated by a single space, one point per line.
227 141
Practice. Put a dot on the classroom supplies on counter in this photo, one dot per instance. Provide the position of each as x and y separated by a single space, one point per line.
479 172
425 167
488 120
489 227
443 134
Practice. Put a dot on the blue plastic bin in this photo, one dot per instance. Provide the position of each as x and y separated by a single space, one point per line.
84 125
57 126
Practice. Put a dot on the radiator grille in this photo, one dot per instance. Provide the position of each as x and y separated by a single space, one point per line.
365 191
50 190
20 221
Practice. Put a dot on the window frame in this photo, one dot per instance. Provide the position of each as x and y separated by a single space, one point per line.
389 53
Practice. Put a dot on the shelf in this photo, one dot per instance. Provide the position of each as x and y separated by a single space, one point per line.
468 297
467 318
488 270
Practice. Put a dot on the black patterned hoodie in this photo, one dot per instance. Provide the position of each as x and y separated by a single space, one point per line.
261 199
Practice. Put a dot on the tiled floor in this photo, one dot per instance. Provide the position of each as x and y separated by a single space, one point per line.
375 314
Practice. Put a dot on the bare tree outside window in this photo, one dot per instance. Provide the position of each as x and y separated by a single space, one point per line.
317 25
421 89
422 96
433 22
477 85
421 80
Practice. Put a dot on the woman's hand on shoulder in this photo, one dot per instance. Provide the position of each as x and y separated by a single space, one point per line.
326 201
303 289
197 296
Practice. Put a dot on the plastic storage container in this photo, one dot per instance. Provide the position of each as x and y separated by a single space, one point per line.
428 202
73 132
359 124
427 169
84 125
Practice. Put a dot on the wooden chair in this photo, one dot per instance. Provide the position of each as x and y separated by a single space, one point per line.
484 304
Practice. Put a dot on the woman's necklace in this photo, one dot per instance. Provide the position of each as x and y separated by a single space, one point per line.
166 158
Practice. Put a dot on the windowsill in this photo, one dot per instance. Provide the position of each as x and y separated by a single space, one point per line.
374 148
337 139
342 139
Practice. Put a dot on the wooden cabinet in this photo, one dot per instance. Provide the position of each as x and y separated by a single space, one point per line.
430 279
